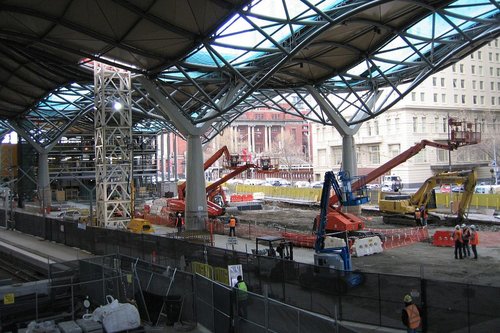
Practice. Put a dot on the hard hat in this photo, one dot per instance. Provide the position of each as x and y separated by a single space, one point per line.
473 227
407 299
457 227
178 214
463 225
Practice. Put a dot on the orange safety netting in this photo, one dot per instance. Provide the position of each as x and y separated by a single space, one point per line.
401 236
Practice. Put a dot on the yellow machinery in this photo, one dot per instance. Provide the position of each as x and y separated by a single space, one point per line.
139 226
406 205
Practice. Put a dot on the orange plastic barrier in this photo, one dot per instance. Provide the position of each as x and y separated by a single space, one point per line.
443 238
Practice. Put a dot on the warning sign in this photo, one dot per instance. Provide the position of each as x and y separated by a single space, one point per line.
8 299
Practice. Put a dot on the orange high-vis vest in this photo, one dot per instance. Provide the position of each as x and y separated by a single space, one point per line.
413 316
457 235
232 222
474 238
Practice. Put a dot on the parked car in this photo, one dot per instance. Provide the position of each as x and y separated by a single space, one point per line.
71 216
373 186
302 183
457 188
318 184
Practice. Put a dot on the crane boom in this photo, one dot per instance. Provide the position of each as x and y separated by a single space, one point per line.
401 158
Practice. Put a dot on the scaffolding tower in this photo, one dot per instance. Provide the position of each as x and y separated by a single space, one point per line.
113 145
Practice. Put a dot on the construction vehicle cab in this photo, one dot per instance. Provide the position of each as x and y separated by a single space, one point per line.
273 246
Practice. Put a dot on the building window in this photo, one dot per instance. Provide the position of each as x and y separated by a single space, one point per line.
369 128
492 100
473 69
422 97
376 127
322 157
388 124
337 156
443 98
424 124
479 55
474 99
455 98
259 116
275 116
442 82
394 150
442 155
445 125
434 81
454 83
481 99
436 125
480 70
461 68
498 86
481 85
474 84
492 86
374 154
413 96
396 124
490 56
472 55
435 97
414 124
462 84
463 99
498 71
496 57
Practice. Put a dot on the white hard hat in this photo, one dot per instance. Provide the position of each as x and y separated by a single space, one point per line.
473 227
463 225
457 227
178 214
407 299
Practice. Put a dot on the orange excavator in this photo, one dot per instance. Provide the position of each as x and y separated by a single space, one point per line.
461 134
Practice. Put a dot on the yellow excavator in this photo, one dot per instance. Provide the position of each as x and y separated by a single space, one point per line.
401 208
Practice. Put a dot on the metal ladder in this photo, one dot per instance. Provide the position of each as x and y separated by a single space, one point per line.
170 273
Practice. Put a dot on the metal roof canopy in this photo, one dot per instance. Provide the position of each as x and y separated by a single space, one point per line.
215 59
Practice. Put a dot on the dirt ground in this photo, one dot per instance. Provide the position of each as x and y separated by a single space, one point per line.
418 259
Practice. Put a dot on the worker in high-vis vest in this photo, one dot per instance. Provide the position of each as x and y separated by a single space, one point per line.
411 315
241 296
232 225
474 240
457 238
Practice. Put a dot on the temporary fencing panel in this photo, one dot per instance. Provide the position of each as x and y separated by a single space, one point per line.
442 238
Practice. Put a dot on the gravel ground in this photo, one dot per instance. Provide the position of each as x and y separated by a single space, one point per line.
418 259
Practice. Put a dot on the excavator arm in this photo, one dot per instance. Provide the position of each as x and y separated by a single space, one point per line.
401 158
181 188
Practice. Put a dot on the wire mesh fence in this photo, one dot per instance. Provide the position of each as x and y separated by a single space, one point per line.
368 298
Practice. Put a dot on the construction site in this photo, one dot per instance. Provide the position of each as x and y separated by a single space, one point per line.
107 225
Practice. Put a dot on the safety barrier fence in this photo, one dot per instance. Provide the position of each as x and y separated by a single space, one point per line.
443 200
368 298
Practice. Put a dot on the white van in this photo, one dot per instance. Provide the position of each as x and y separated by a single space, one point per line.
487 189
392 182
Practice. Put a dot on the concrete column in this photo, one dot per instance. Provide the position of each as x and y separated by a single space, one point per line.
349 162
266 139
282 139
162 156
44 192
176 163
169 151
249 139
196 199
252 134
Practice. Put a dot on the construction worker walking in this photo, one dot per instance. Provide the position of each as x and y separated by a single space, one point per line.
465 239
241 296
410 315
457 237
474 240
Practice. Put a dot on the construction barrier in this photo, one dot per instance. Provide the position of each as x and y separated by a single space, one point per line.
366 246
298 239
443 238
402 236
